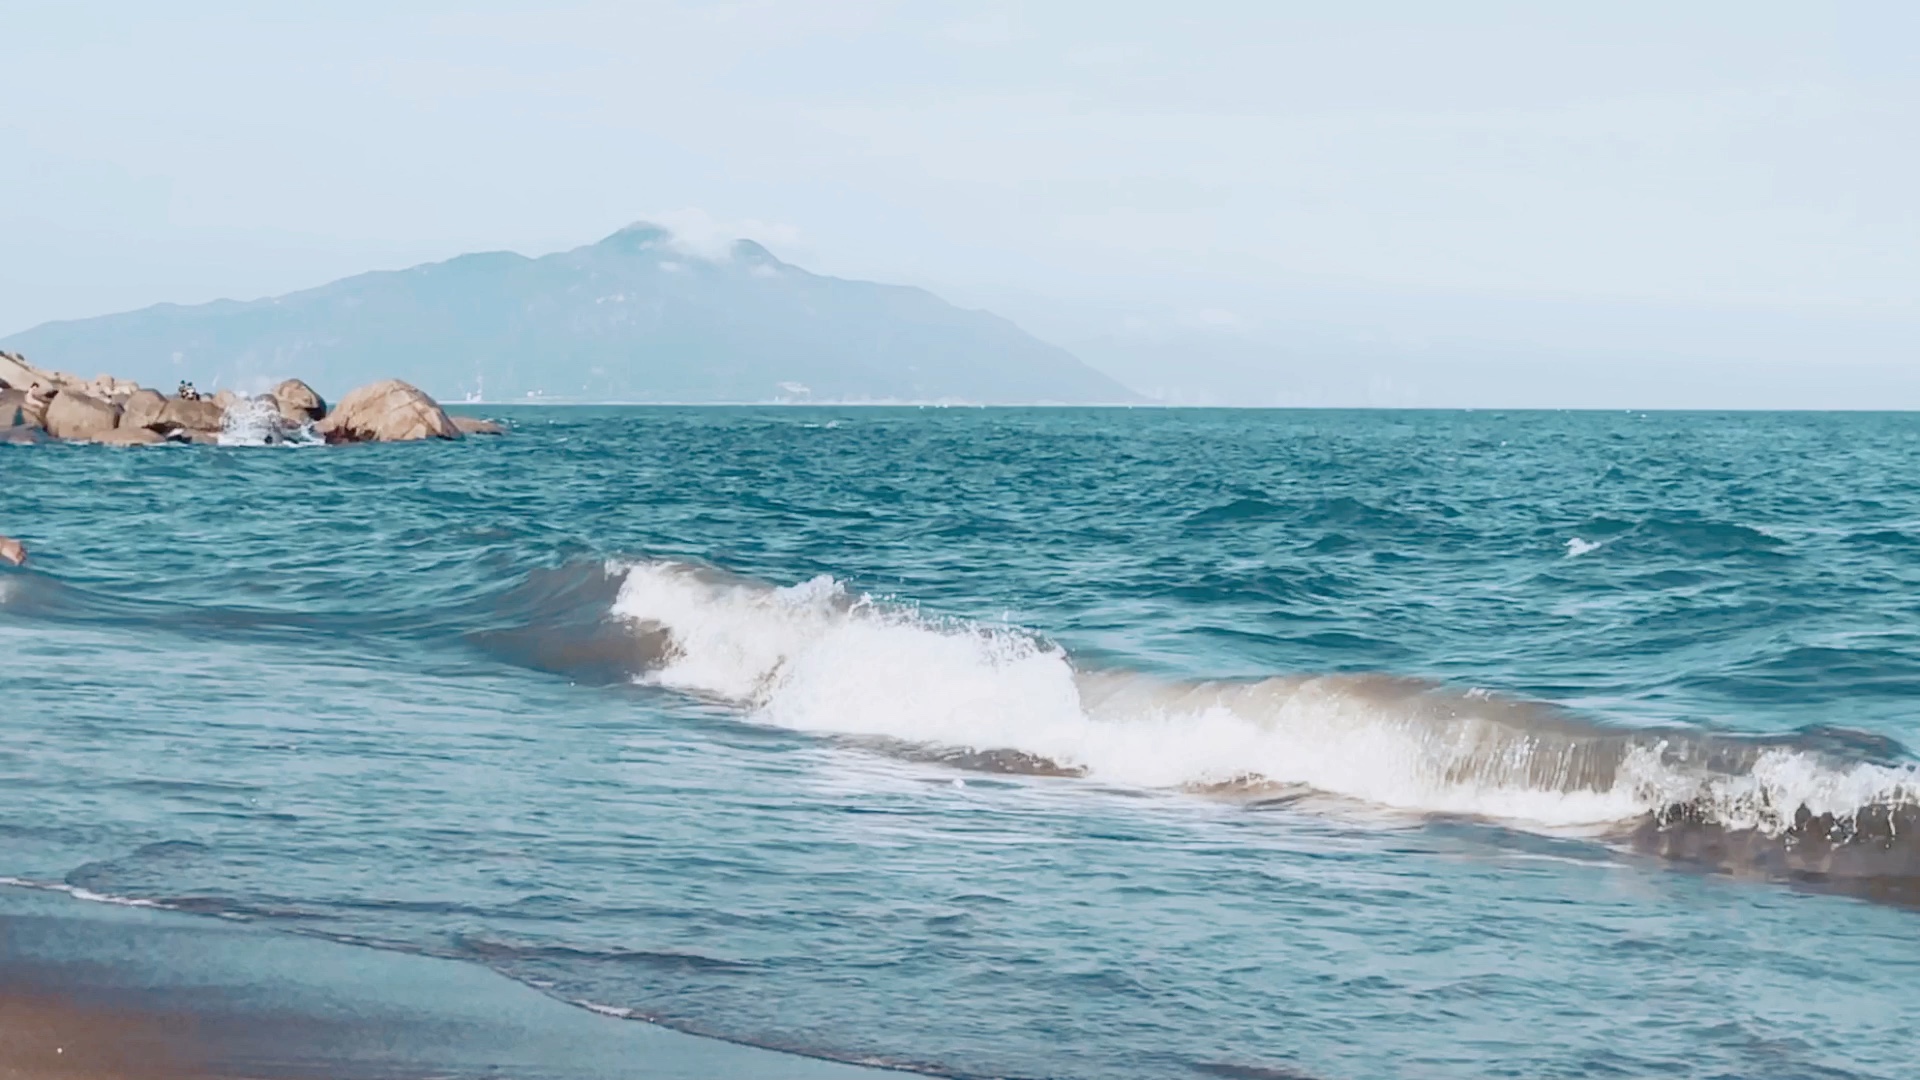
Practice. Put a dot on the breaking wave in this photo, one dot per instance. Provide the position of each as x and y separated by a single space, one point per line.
256 421
816 657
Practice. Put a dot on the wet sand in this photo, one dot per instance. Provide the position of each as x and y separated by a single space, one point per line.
92 991
46 1038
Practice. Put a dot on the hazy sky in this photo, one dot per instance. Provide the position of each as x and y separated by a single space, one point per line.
1145 164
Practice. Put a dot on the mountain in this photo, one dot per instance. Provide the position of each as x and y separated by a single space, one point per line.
631 318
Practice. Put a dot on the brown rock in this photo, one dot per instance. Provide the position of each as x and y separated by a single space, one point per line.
107 388
226 399
387 411
74 415
17 374
191 415
143 409
298 402
473 425
129 436
11 551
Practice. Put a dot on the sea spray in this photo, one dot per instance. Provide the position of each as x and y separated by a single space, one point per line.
815 657
257 421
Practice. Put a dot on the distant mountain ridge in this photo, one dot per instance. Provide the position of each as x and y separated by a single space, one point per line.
631 318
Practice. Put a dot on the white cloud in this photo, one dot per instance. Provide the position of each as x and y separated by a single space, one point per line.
699 235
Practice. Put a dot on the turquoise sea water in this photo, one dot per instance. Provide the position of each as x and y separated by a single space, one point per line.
1078 743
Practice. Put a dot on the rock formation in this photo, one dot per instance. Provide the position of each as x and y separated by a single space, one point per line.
76 415
142 409
298 402
11 551
37 404
15 372
387 411
189 415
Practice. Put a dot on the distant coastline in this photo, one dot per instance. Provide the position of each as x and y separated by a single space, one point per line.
631 318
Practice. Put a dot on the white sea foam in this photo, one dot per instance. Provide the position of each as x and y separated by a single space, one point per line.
79 893
256 421
814 657
1577 547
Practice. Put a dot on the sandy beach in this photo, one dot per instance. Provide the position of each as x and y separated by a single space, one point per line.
52 1038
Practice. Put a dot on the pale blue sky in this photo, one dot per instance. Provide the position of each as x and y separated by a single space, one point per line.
1111 172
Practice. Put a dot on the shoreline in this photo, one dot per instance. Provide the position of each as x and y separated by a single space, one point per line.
93 990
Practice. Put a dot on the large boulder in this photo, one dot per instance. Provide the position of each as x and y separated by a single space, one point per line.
227 399
108 388
387 411
143 409
298 402
74 415
17 374
191 415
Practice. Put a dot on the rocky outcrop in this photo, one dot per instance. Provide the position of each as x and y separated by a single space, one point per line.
74 415
387 411
473 425
16 373
142 409
191 415
37 404
108 388
298 402
12 551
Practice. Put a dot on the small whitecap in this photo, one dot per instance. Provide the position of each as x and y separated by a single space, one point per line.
1577 547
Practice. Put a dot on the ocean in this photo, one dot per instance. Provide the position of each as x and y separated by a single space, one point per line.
1103 744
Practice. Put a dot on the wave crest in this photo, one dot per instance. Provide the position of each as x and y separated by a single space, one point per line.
815 657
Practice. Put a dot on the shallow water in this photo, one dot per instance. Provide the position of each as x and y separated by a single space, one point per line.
1024 742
